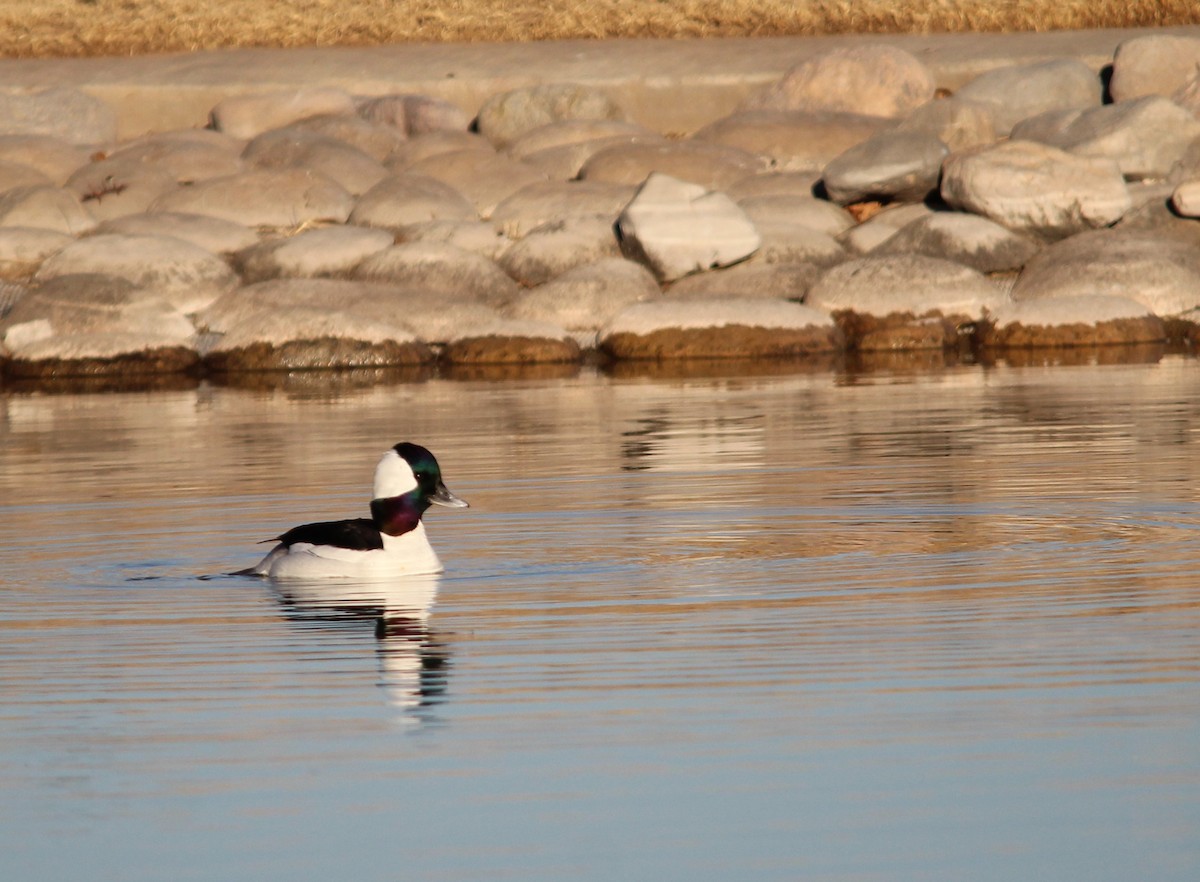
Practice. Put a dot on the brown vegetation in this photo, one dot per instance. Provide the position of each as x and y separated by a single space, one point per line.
30 28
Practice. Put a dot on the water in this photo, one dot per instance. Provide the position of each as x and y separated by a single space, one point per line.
934 624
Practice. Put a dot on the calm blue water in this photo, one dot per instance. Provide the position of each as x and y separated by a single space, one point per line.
937 625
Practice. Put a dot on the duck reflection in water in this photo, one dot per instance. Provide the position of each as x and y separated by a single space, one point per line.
413 662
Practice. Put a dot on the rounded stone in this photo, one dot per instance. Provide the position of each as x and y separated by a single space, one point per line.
375 139
470 235
486 179
23 249
210 233
113 188
293 147
245 116
963 238
551 250
748 281
189 155
1093 320
321 252
438 267
586 297
544 202
401 200
901 166
783 209
513 342
433 144
18 174
53 157
45 208
414 114
957 122
505 117
910 284
274 198
798 140
725 328
1152 64
712 166
1017 92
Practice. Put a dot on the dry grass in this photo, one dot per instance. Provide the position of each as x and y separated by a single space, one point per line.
30 28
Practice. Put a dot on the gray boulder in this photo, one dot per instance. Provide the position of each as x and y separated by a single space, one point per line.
1153 64
963 238
1020 91
910 283
245 116
439 268
711 166
414 115
401 200
486 179
45 208
545 202
901 166
327 251
276 198
796 140
117 187
210 233
56 158
586 297
294 147
1084 320
549 251
505 117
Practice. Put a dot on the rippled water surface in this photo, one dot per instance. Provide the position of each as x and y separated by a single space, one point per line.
934 625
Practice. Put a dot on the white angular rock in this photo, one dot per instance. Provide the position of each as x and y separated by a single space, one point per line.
913 283
321 252
675 228
1019 91
280 198
409 198
178 272
59 112
45 208
244 116
1037 188
875 80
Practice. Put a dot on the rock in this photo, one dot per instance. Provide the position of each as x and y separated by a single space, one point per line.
1160 272
22 250
1146 137
178 272
1036 188
748 281
1153 64
45 208
675 228
245 116
549 251
1087 320
311 253
968 239
485 179
210 233
795 242
882 225
439 268
543 202
401 200
911 284
504 118
279 198
377 140
59 112
874 80
569 132
803 210
584 298
512 341
1186 199
117 187
711 166
1020 91
723 328
957 122
413 151
94 325
800 140
901 166
414 114
477 236
17 174
566 161
296 148
189 156
53 157
1187 96
785 184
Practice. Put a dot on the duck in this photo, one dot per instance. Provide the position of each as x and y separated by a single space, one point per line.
392 542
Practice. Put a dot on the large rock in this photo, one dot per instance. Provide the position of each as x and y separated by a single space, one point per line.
586 297
1020 91
439 268
1153 64
963 238
377 140
45 208
505 117
414 115
117 187
957 122
1086 320
797 140
875 80
59 112
210 233
675 228
22 250
796 242
544 202
575 131
293 147
479 237
178 272
777 183
96 325
414 150
18 174
1160 272
791 208
711 166
56 158
408 198
189 155
245 116
725 328
511 341
279 198
748 281
1036 188
913 284
485 179
551 250
1146 137
901 166
327 251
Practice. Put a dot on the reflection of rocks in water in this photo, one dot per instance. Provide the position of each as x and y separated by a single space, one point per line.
323 384
413 663
723 368
661 441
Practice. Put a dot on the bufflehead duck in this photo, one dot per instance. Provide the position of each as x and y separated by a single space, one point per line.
391 542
